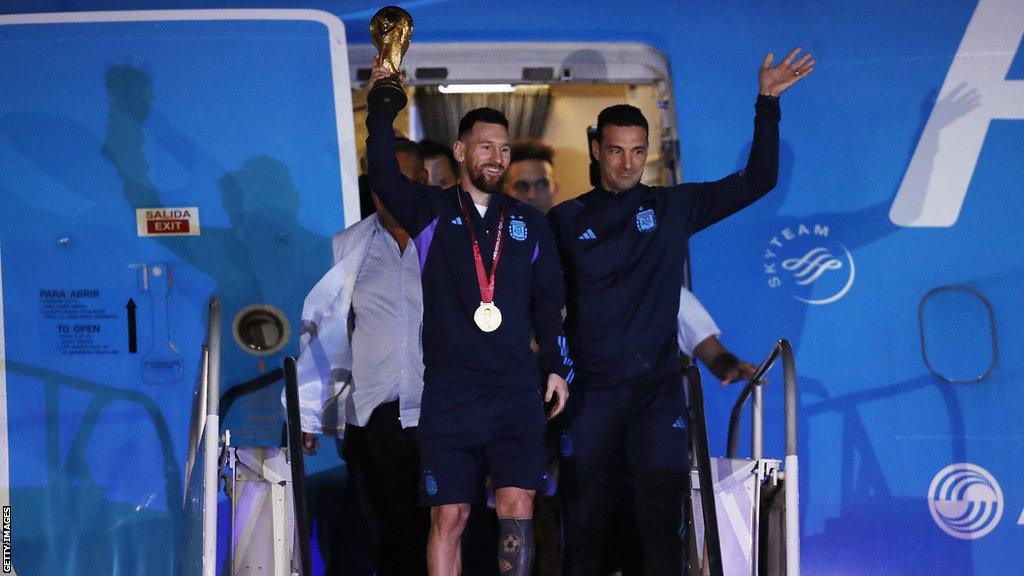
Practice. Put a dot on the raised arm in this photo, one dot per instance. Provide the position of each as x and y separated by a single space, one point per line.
713 201
413 205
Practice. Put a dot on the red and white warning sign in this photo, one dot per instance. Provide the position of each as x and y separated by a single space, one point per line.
167 221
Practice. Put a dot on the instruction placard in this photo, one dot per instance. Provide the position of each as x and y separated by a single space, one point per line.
80 321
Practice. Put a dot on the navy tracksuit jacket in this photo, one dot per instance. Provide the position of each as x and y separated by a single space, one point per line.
623 256
528 281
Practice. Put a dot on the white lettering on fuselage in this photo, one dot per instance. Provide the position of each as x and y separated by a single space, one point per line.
974 93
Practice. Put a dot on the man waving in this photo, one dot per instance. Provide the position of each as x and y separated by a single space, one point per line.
623 245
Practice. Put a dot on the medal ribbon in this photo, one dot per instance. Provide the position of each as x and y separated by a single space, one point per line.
485 280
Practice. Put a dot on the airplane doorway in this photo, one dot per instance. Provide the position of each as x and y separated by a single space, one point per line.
562 86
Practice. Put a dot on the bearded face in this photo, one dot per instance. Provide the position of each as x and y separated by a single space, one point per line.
487 176
484 156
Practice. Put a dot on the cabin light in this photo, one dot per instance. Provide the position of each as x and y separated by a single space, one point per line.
475 88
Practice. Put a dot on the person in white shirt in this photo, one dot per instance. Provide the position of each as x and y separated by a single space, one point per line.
698 338
361 373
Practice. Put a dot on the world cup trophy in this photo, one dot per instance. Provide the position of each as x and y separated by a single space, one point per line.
391 30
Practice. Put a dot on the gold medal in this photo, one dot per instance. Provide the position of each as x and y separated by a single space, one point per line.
487 317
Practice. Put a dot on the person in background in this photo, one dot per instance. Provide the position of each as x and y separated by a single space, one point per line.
361 374
698 338
530 176
442 169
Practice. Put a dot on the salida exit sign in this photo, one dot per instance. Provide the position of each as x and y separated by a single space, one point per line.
167 221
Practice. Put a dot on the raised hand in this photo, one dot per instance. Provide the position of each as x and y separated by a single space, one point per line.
378 72
777 79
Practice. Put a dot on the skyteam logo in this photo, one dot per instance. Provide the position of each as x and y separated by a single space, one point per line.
517 230
645 221
965 501
814 268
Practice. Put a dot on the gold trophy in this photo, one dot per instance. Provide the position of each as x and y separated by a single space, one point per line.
391 30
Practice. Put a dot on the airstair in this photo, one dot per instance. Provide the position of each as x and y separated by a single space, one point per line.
747 522
269 531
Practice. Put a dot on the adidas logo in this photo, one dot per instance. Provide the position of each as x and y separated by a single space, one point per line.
457 220
588 235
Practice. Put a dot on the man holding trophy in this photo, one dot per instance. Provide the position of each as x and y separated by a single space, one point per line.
491 279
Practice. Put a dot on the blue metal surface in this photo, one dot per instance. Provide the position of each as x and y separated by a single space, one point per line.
877 427
235 118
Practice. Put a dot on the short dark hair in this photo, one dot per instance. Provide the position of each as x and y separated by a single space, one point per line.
620 115
406 146
433 149
485 115
531 149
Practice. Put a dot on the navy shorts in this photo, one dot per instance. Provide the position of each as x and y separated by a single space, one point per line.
466 432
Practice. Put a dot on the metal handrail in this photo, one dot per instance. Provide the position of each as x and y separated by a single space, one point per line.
195 428
209 366
298 467
753 389
791 464
213 364
702 454
211 438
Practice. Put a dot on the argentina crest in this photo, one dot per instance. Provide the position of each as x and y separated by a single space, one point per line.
645 221
517 229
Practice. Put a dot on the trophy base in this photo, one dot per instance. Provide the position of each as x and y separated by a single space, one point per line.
388 94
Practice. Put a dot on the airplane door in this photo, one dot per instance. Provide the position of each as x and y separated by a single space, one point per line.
151 160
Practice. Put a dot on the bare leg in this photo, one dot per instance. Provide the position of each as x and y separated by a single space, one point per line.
444 553
515 517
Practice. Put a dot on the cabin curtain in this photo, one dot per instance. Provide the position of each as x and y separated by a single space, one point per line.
526 109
